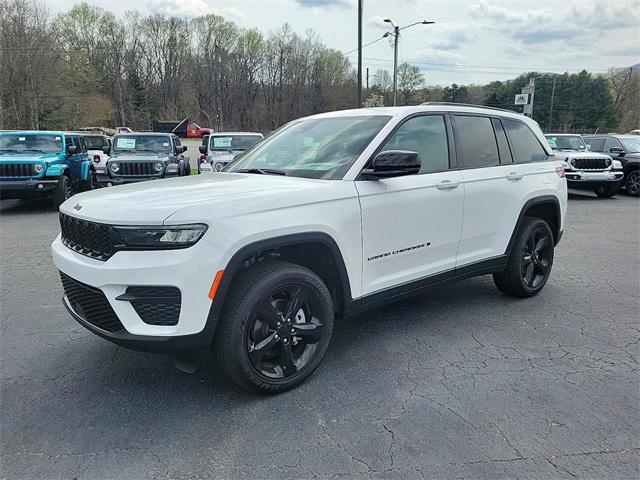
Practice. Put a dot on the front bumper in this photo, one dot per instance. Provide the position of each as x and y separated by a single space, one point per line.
107 181
183 269
31 188
593 179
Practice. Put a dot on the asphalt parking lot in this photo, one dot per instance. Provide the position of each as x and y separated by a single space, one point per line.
464 383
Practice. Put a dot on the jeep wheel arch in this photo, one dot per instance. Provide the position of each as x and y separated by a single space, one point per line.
546 207
288 247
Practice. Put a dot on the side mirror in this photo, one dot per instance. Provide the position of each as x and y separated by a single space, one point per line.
588 147
393 163
106 149
617 150
184 148
203 149
72 149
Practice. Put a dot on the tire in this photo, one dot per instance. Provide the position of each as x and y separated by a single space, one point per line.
187 170
62 192
632 183
254 343
606 191
528 259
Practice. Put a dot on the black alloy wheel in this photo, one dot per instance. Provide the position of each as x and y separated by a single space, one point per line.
284 331
275 326
537 256
632 184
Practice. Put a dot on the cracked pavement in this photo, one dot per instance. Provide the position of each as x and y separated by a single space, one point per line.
462 383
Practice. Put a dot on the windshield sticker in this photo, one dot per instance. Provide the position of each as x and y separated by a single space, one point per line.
552 142
22 139
223 142
165 144
126 143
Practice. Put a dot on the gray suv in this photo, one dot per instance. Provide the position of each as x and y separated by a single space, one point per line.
142 156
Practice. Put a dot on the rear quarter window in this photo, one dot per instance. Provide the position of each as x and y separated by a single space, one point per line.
525 146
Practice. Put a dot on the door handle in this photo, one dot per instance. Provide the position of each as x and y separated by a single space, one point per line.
447 185
514 176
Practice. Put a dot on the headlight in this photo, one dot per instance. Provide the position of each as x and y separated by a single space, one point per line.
180 236
37 167
616 165
218 166
115 168
158 166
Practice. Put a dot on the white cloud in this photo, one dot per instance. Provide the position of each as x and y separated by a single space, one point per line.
192 8
323 3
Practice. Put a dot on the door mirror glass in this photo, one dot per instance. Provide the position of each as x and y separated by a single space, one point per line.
106 149
616 150
393 163
203 149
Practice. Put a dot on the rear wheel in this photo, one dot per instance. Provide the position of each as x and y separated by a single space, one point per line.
275 327
62 192
632 183
530 261
606 191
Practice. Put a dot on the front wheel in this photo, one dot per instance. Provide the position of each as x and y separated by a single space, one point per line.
62 192
606 191
275 327
530 261
632 183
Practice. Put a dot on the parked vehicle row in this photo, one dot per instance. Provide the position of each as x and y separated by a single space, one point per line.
328 216
624 149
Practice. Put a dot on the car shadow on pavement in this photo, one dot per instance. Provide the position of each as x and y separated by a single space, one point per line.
25 207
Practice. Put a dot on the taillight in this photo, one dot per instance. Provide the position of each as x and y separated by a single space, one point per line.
560 171
96 158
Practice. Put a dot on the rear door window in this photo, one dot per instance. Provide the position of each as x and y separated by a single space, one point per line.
596 144
525 147
476 141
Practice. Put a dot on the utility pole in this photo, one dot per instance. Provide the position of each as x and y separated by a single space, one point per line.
359 96
367 84
396 37
553 92
530 89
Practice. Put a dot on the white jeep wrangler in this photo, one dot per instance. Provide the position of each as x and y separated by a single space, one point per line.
333 214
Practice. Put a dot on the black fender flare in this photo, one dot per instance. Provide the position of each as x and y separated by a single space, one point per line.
235 265
532 203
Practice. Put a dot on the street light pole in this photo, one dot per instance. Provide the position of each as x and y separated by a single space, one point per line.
359 96
396 37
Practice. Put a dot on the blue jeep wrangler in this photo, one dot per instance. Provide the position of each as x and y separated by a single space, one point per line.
43 164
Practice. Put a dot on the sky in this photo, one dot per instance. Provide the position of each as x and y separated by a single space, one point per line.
473 41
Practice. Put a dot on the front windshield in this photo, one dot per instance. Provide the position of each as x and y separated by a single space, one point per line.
631 145
313 148
223 143
95 142
565 142
29 143
142 144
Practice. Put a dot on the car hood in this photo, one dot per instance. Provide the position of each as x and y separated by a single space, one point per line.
218 194
569 154
139 158
30 158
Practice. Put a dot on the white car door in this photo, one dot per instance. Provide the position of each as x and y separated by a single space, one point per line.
411 224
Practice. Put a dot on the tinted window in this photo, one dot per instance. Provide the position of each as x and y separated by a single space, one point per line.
611 143
596 144
476 141
503 145
426 135
95 142
525 147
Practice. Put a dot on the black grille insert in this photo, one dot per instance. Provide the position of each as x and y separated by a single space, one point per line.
88 238
136 169
155 305
90 304
590 163
17 170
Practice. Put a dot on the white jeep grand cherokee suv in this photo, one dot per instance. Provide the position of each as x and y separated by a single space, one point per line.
332 214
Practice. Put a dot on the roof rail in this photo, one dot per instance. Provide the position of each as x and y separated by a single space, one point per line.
454 104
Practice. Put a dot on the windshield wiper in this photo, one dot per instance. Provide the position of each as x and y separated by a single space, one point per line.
261 171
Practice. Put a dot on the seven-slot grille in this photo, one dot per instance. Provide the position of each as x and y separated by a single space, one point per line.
590 163
17 170
136 169
90 304
88 238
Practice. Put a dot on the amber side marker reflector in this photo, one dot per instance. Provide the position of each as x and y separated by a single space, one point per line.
214 285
